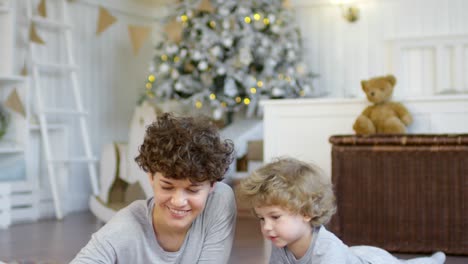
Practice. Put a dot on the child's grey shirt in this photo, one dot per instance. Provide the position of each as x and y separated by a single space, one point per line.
329 249
129 237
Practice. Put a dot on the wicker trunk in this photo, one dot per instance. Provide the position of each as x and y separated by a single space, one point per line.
404 193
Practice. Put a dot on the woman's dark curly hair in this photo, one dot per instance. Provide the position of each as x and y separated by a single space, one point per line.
185 148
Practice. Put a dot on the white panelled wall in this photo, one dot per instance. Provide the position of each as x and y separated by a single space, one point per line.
423 42
344 53
111 76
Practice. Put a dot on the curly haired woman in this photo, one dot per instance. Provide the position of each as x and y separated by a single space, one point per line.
191 217
293 200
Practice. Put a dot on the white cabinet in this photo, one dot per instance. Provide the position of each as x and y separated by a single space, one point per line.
15 144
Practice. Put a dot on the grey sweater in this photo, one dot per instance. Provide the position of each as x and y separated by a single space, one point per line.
129 237
329 249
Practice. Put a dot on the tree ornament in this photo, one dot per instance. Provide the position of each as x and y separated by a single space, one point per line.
206 6
202 65
174 74
227 42
218 113
196 55
188 67
164 68
230 88
221 71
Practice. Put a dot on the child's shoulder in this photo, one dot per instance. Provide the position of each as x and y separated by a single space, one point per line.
326 241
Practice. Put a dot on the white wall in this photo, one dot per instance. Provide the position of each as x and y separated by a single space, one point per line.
111 77
344 53
301 128
423 42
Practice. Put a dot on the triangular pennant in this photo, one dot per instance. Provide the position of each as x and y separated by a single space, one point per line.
174 30
14 103
33 36
286 4
138 35
105 20
41 9
206 6
24 70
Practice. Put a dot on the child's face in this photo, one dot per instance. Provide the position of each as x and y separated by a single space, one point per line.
282 227
178 202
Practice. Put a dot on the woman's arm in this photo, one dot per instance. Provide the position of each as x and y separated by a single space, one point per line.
96 252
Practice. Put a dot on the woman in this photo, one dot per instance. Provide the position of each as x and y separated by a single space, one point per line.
191 218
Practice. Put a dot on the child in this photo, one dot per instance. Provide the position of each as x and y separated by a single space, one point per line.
293 200
191 217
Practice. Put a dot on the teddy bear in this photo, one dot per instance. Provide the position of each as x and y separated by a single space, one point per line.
383 116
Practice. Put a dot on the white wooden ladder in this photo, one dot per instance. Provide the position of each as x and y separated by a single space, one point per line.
46 112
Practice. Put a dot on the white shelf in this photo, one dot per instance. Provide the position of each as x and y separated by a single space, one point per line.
11 79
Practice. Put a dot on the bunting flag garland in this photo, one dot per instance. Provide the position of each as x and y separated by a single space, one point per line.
33 36
14 103
174 30
24 70
105 20
206 6
138 35
42 10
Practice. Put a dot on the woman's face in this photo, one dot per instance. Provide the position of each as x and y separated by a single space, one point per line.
178 202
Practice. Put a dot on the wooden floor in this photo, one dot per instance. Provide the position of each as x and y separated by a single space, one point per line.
52 241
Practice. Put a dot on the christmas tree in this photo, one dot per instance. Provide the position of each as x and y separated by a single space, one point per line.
227 55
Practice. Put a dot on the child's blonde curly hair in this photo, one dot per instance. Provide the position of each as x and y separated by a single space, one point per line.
294 185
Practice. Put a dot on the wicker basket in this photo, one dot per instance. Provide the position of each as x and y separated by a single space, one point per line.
404 193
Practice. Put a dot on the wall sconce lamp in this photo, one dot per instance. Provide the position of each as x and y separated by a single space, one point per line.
349 11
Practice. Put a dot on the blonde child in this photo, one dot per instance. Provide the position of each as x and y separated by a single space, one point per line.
293 200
